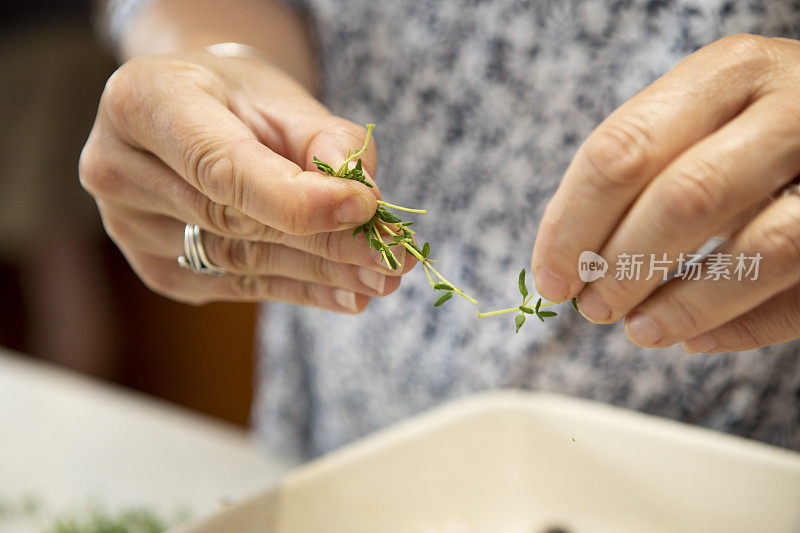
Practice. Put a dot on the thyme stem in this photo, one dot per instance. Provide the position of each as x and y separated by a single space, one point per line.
401 208
404 236
426 263
351 157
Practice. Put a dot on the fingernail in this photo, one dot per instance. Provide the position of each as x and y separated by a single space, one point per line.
353 209
550 286
346 299
593 308
374 280
641 330
701 343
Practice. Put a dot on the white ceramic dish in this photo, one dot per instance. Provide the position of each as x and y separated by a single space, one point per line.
527 462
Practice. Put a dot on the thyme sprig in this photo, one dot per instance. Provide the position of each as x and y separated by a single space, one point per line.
399 233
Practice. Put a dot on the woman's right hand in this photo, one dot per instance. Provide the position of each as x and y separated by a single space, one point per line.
227 144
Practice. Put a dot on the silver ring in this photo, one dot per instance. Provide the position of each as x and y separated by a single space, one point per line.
194 254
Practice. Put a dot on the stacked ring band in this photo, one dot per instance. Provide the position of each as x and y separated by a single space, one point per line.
194 254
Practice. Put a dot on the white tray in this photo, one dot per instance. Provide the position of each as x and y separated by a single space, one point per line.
525 463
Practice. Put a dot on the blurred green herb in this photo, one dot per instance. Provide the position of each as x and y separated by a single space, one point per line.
91 520
25 506
386 229
138 520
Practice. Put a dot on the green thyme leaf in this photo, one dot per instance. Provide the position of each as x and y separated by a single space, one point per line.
546 314
426 249
443 298
575 304
538 303
443 286
526 310
406 224
388 216
519 320
324 167
392 262
416 248
375 243
522 288
357 231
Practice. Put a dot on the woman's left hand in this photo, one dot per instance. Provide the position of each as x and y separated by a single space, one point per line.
699 153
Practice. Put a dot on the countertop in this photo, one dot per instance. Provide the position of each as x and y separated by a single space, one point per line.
72 442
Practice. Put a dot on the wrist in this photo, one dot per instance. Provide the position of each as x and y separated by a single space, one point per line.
171 26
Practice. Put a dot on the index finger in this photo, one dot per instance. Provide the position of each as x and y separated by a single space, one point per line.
630 147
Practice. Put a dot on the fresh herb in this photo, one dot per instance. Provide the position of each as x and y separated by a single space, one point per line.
386 229
139 520
25 506
92 519
524 308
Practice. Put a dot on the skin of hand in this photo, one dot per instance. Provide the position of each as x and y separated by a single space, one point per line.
699 153
227 144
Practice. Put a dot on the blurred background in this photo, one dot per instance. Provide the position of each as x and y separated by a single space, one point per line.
66 293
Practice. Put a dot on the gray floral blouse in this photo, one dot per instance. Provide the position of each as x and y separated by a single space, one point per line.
480 106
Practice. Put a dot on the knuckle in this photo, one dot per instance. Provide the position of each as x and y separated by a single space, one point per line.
687 314
323 245
125 93
207 165
226 253
780 246
227 220
320 269
747 332
296 216
693 196
618 151
748 47
97 174
619 295
245 255
251 286
272 258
